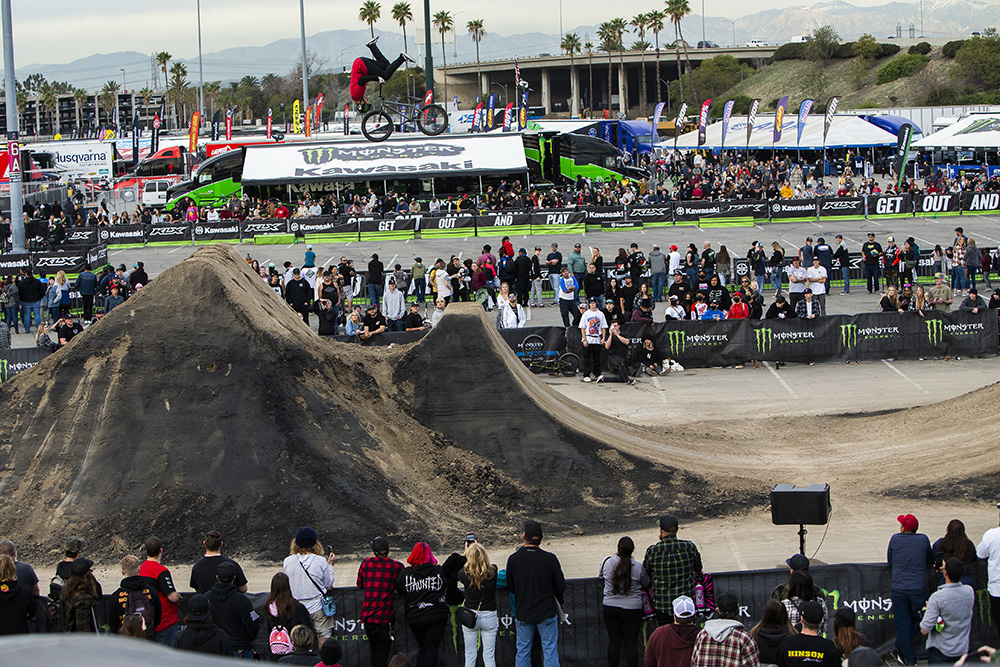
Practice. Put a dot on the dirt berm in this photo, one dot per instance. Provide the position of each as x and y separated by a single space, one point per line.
203 402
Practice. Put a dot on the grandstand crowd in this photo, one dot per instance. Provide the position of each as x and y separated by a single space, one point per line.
695 626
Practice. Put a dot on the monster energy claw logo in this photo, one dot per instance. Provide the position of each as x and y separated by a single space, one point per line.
935 331
764 339
318 156
849 335
677 340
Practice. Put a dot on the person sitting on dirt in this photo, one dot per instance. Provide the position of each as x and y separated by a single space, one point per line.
618 352
366 70
373 323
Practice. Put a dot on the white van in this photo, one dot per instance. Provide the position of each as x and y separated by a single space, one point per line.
154 193
799 39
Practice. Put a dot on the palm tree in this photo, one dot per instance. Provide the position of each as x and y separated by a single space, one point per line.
370 12
212 90
476 30
571 45
606 32
162 59
677 10
177 87
444 22
654 23
80 97
620 26
588 47
640 23
109 97
402 14
47 99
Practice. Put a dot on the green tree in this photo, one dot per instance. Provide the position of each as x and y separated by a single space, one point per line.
654 22
370 12
719 74
47 101
641 22
606 32
475 28
80 97
978 59
620 26
588 48
571 45
867 47
108 97
677 10
823 44
815 83
444 22
403 14
178 90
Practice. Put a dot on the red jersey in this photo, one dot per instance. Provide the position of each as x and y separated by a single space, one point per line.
358 70
164 585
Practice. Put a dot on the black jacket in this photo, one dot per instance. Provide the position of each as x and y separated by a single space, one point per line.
204 638
298 292
300 658
536 579
522 269
119 603
30 289
422 588
233 613
300 616
15 608
327 319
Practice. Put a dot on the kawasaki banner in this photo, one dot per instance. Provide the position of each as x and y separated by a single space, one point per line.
932 206
123 236
793 210
20 359
11 265
888 206
216 232
558 222
733 213
980 203
166 235
841 207
403 227
447 225
503 224
326 230
610 217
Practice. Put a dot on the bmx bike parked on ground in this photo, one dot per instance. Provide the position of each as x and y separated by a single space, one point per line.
539 360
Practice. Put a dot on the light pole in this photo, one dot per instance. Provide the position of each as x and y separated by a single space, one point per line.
305 75
734 33
561 33
667 86
504 86
703 20
13 147
428 58
454 36
201 72
124 87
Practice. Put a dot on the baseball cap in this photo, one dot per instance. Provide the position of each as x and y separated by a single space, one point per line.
226 571
309 247
891 240
864 656
798 562
380 545
418 259
294 271
667 522
815 258
673 247
75 544
908 522
809 239
198 608
532 529
684 607
796 258
727 603
576 245
81 566
871 233
812 612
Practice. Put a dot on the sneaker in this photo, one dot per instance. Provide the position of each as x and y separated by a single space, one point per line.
407 58
587 379
381 80
600 378
894 654
373 42
631 381
844 293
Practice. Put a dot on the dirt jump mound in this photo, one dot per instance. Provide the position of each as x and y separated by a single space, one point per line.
204 402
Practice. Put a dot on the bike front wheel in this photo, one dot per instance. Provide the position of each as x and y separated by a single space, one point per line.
569 364
432 120
376 125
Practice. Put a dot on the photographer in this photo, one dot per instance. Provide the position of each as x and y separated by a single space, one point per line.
327 316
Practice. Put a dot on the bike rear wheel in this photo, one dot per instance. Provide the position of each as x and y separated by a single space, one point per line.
376 125
432 120
532 350
569 364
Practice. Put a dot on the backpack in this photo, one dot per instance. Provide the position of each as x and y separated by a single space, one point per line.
137 603
279 641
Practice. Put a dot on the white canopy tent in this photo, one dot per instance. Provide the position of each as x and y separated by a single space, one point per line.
978 130
845 132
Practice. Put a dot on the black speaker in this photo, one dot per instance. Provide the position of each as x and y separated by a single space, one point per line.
792 505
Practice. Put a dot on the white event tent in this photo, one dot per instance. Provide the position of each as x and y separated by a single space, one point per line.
846 131
978 130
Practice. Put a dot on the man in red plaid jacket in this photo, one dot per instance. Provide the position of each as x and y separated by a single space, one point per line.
377 577
725 642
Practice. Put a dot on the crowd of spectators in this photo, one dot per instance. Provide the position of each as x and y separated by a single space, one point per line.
932 602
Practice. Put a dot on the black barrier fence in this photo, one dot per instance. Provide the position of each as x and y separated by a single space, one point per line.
384 339
864 588
71 261
18 360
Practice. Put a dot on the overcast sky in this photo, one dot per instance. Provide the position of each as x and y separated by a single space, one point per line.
59 31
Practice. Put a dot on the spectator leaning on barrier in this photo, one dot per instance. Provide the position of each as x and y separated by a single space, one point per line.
536 578
672 565
909 554
947 620
939 296
842 257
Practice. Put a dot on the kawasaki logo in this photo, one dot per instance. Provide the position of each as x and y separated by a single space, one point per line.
319 156
199 230
849 335
776 208
105 234
677 340
294 227
935 331
763 339
680 210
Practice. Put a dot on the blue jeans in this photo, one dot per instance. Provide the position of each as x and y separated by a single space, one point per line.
846 273
548 630
692 274
906 606
167 637
761 281
958 278
54 313
871 276
29 308
243 654
970 273
374 293
10 314
394 325
936 657
659 280
554 281
775 279
486 627
420 289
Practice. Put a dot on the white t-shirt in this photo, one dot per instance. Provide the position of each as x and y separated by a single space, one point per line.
814 274
799 274
675 262
675 313
569 282
989 548
592 324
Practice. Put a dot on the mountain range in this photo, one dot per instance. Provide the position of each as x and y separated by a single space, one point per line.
942 19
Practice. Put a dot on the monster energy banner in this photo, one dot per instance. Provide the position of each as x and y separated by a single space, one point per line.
216 232
932 206
981 202
168 235
720 213
19 360
448 225
793 210
403 227
841 207
501 224
889 206
558 222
